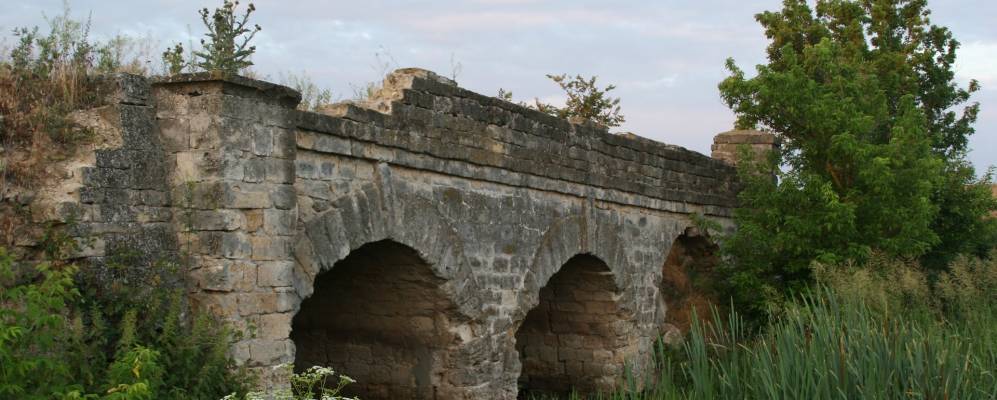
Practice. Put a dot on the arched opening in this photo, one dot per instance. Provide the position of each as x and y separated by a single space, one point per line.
577 336
687 280
379 317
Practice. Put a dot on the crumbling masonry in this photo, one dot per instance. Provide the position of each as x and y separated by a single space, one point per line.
431 243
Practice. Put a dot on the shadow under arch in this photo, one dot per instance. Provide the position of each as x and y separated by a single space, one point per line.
688 279
381 317
578 337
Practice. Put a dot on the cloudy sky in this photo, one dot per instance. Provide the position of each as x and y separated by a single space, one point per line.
665 56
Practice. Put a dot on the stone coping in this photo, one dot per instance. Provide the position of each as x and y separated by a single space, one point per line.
236 84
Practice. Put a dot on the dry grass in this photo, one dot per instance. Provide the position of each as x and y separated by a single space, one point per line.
43 78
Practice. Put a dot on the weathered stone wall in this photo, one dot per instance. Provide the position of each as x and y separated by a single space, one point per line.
111 195
405 241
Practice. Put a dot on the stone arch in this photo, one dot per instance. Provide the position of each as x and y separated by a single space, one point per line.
566 238
578 337
380 316
375 213
379 213
688 276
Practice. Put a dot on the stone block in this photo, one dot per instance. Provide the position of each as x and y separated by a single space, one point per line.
254 219
225 276
274 326
283 197
279 170
174 134
268 352
128 89
279 222
254 170
247 195
284 144
275 274
266 247
217 220
236 245
263 138
205 132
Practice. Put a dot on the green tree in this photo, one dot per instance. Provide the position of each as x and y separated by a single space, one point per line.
862 94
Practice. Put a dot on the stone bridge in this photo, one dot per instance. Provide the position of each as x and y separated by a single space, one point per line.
431 243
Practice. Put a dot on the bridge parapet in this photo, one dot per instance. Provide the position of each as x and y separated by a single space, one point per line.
424 121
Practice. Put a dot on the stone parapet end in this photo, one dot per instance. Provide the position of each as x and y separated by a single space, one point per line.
726 146
745 136
233 85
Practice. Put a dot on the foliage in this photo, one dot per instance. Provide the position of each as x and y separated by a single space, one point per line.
313 383
173 59
585 100
33 330
44 77
862 95
221 53
61 338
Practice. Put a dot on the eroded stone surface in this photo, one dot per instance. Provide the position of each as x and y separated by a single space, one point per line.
411 241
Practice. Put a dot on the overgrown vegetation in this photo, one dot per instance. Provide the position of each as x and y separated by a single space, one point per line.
113 332
863 97
45 77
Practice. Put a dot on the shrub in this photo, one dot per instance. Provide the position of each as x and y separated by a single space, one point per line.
34 331
585 101
58 337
